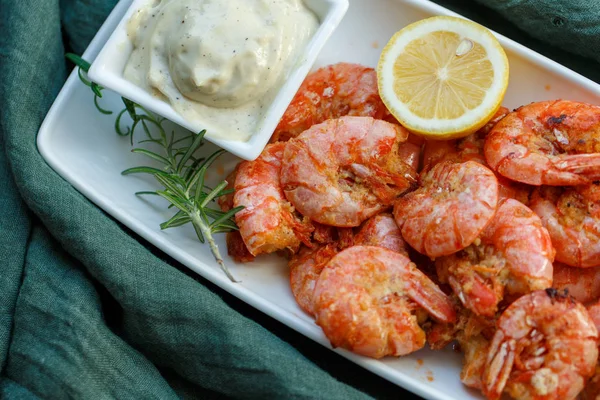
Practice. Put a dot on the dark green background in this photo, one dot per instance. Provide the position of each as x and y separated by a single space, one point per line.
90 310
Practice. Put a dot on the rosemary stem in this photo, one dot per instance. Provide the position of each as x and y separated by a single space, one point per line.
206 231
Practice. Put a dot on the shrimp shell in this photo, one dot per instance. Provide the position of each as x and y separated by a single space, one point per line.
470 148
547 143
366 297
382 230
306 266
592 387
343 171
331 92
545 348
582 283
267 223
305 269
451 208
513 254
572 216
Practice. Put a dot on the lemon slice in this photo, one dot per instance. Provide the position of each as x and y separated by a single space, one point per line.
443 77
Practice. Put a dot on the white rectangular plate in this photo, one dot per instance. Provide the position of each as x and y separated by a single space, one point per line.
91 159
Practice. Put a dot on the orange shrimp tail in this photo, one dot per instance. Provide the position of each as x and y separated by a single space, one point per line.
480 298
500 360
585 166
428 295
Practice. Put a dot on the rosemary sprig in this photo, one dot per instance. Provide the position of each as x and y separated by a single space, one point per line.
182 175
97 89
183 178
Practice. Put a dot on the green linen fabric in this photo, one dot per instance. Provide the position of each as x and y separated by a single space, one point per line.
90 310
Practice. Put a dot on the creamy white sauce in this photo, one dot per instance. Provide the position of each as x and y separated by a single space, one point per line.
218 62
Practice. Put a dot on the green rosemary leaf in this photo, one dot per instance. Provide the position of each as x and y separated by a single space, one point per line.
177 202
171 184
96 89
183 139
152 155
180 152
118 124
227 226
135 124
146 129
155 141
80 62
85 81
176 224
199 192
199 233
213 194
144 170
216 214
226 191
213 213
178 179
130 107
180 218
200 175
225 217
191 149
146 193
102 110
221 230
191 168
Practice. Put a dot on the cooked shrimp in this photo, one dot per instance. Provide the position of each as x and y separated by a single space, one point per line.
268 222
345 170
487 128
582 283
236 248
475 357
572 216
467 326
547 143
456 151
592 387
514 254
410 154
470 148
306 266
451 208
332 92
305 269
594 311
473 334
545 348
226 202
369 299
474 340
381 230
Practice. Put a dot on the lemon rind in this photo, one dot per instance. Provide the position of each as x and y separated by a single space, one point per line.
471 120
